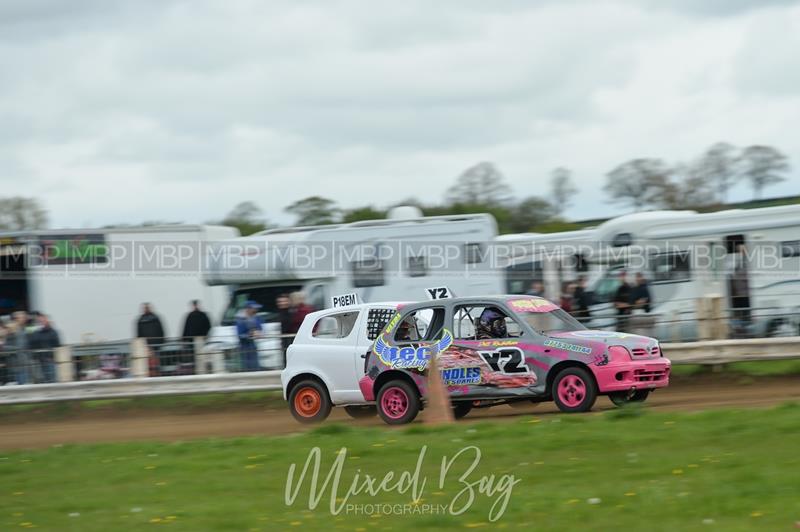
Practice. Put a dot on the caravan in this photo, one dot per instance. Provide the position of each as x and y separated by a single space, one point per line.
749 258
377 260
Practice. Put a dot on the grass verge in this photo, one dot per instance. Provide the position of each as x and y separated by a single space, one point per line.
724 469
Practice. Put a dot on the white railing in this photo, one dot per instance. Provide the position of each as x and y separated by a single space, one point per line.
707 352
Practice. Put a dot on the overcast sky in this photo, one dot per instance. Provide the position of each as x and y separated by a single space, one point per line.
177 110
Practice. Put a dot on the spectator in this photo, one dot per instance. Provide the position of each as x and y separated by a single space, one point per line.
582 301
196 324
5 365
567 297
640 294
622 302
43 342
299 310
285 319
17 344
248 328
149 327
537 289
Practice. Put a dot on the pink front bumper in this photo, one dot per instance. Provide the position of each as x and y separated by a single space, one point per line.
636 374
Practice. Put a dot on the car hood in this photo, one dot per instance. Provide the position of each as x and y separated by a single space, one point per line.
595 339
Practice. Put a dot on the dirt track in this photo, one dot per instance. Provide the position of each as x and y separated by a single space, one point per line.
686 396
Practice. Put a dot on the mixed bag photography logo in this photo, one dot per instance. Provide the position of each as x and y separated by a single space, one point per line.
458 481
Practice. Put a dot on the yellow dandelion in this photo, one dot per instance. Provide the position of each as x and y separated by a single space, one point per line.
677 471
18 493
534 420
630 494
669 423
150 467
756 514
377 445
161 483
538 463
573 501
475 525
296 523
155 520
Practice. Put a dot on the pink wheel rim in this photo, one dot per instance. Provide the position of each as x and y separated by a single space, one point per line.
394 403
571 390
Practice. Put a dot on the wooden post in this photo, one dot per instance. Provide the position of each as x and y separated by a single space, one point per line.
140 358
438 410
718 317
701 316
65 367
202 360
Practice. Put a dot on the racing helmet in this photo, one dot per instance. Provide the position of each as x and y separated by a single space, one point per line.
494 321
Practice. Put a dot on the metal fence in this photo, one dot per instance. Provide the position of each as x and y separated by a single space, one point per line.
139 358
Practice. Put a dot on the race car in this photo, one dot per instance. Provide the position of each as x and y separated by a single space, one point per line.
505 349
327 357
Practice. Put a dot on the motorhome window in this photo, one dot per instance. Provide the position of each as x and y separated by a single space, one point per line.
790 248
368 273
671 267
473 253
621 240
417 266
377 320
465 322
335 326
581 264
520 277
422 324
265 296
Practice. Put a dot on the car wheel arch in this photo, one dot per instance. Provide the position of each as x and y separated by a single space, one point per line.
306 376
391 375
557 368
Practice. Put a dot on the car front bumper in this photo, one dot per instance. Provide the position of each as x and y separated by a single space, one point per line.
634 375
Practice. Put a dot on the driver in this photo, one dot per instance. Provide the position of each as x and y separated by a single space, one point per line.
491 324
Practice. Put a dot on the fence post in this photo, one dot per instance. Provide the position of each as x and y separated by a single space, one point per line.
202 360
140 357
720 324
702 315
65 367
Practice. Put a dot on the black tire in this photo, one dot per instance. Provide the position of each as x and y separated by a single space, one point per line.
309 402
361 411
461 408
575 397
621 398
402 406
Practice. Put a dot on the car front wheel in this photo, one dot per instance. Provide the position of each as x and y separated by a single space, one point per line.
398 402
309 402
574 390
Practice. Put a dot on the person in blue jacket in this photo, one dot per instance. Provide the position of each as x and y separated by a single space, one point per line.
248 328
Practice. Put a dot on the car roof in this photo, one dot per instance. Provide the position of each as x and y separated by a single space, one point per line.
359 307
502 298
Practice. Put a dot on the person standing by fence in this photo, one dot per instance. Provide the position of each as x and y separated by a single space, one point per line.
248 328
149 327
17 344
196 325
42 343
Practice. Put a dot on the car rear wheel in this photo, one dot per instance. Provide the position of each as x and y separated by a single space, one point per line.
622 399
309 402
461 409
360 411
398 402
574 390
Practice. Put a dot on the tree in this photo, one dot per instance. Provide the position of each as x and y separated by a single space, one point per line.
692 189
639 182
22 214
562 189
482 184
529 213
762 166
314 210
362 213
718 167
247 217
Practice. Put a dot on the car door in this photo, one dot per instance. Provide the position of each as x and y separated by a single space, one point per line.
331 350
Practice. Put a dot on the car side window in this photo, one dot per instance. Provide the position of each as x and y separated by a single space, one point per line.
335 325
466 323
420 325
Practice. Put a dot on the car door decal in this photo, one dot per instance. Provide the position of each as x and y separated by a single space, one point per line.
510 361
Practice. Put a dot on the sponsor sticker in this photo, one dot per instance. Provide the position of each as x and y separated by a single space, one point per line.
408 357
461 376
558 344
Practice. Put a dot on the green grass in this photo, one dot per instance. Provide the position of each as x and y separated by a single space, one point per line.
762 368
735 470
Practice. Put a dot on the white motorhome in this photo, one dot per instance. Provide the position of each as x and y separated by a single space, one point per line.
379 260
750 257
93 281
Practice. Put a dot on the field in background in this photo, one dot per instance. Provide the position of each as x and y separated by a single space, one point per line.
719 469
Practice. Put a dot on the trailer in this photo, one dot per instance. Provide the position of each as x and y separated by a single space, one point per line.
93 281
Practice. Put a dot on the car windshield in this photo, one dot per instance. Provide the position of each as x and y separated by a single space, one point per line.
543 316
